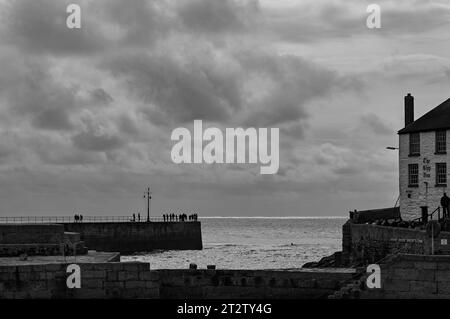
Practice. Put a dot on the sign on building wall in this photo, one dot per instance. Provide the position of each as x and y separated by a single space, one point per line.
426 168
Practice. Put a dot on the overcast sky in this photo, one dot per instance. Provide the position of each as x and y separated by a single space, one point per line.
86 115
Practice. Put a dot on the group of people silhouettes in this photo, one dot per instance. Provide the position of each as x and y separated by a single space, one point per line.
167 217
138 217
180 217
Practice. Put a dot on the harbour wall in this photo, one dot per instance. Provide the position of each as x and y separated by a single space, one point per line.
136 280
406 276
38 239
130 237
238 284
366 243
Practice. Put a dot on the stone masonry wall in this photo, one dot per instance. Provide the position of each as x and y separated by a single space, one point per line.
135 280
98 280
413 276
365 243
235 284
410 207
138 236
31 233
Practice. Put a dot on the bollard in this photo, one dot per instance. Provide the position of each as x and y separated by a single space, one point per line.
192 266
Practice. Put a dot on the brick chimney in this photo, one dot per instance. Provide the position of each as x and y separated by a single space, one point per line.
409 109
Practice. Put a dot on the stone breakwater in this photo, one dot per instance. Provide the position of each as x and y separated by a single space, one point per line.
404 276
103 280
130 237
38 239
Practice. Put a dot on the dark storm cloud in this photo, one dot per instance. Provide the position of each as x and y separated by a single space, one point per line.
218 15
97 142
52 119
140 22
243 87
321 20
235 63
181 89
376 125
292 83
421 17
100 97
35 95
39 26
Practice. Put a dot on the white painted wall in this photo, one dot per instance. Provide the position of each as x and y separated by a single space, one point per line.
410 207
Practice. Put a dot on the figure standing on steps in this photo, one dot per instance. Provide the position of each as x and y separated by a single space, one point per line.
445 203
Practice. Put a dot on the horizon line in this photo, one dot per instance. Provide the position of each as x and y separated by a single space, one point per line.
274 217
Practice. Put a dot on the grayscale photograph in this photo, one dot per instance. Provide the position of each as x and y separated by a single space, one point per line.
224 157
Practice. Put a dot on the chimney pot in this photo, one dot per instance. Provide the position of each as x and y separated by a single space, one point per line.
409 109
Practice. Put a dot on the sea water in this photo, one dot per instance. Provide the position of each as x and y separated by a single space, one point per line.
254 243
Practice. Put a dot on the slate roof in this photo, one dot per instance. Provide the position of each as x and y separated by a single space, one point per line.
436 119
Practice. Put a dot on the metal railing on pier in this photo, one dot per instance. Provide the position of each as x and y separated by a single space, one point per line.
86 219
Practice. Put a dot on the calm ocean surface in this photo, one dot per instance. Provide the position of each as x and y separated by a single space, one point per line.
254 243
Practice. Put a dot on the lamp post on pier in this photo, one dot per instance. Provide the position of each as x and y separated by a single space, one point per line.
148 196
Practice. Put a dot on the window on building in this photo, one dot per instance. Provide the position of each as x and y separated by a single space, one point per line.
441 173
414 144
441 142
413 175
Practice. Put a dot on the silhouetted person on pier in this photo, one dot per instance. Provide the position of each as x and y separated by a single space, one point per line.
139 217
76 218
81 218
445 203
134 217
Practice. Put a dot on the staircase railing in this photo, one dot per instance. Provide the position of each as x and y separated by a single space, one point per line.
430 216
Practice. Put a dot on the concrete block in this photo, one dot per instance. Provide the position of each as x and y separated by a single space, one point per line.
152 293
114 284
395 285
414 274
92 283
56 267
308 283
443 275
443 287
114 266
135 284
40 294
128 275
151 284
93 274
425 265
443 265
133 293
112 276
148 275
88 293
424 287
